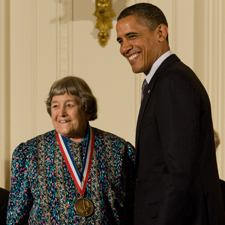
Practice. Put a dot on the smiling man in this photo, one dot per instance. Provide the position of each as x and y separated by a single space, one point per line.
140 45
177 180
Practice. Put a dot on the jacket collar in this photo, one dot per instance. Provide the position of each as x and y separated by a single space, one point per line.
159 72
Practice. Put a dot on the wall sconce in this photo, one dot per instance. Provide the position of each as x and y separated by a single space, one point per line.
104 13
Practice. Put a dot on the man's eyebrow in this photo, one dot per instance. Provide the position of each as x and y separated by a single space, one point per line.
126 35
130 33
118 39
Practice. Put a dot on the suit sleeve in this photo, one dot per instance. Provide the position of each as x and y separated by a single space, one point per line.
20 198
3 204
178 114
129 181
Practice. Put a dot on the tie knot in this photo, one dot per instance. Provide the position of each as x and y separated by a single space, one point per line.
143 88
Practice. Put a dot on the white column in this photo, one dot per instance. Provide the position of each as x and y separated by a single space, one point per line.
4 95
214 69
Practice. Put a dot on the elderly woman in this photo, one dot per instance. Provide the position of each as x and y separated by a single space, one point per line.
75 174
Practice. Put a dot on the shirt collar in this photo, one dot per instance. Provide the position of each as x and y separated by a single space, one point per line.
156 65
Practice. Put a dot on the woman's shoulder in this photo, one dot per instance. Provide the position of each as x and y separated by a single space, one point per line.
30 146
48 136
101 134
113 144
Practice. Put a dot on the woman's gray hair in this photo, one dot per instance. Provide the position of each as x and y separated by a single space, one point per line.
216 139
77 87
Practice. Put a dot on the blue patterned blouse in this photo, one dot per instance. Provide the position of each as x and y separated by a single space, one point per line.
43 191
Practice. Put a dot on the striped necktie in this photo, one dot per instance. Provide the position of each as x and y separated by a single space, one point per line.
143 88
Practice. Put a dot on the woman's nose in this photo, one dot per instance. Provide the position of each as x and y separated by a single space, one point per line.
62 111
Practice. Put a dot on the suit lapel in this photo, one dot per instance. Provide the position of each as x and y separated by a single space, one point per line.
165 64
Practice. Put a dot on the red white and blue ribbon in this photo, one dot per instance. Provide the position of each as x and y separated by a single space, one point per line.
79 179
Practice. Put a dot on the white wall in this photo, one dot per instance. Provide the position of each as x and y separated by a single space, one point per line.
44 40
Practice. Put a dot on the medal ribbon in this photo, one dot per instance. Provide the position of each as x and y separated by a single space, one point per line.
79 179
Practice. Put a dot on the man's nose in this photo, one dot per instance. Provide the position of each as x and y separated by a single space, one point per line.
125 47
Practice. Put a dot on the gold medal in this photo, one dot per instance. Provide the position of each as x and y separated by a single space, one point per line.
84 207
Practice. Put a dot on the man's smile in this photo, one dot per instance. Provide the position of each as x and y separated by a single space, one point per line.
133 56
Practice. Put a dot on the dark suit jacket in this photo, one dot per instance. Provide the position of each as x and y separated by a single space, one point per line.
222 185
4 194
177 179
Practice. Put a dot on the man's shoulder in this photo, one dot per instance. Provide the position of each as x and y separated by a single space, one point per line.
222 184
172 68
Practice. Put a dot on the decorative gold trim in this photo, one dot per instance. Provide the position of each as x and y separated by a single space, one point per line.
104 13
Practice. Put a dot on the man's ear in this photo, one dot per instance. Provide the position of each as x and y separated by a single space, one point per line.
163 32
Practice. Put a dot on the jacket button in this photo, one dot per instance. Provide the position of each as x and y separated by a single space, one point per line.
137 179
